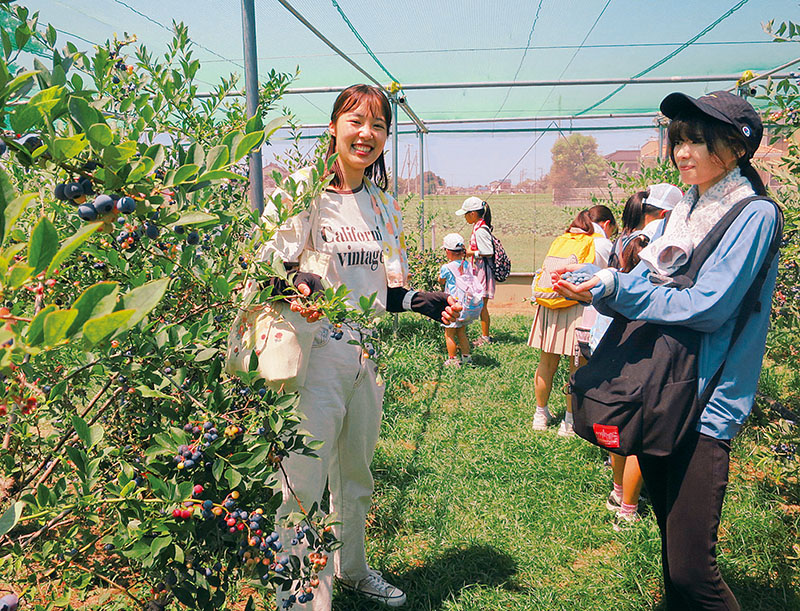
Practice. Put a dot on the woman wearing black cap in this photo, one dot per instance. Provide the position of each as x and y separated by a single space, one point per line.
712 140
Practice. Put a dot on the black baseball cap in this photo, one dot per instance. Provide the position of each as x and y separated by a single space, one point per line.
722 105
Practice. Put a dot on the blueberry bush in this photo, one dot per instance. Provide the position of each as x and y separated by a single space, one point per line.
130 463
781 384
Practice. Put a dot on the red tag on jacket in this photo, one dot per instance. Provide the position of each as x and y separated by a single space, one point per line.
607 436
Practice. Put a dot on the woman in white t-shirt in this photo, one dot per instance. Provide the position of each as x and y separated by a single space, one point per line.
357 227
481 247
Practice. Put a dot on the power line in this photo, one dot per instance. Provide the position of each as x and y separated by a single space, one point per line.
524 54
669 56
574 55
525 154
363 42
171 30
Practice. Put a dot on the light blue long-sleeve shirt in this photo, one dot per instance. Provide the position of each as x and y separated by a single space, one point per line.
711 307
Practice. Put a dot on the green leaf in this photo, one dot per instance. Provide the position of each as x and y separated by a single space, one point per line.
146 391
217 157
71 244
97 300
77 456
20 84
56 325
6 194
83 114
115 156
219 175
181 175
18 274
156 153
195 218
82 430
43 245
67 148
13 211
96 433
141 169
275 125
101 327
248 143
144 298
35 333
100 135
158 544
234 477
10 518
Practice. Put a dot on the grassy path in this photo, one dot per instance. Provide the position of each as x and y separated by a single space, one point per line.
475 511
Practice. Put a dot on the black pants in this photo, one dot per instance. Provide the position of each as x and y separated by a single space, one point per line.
686 490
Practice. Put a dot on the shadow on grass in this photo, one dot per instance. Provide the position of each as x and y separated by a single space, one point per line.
484 361
753 595
429 586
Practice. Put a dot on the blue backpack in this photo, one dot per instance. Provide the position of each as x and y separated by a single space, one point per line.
468 291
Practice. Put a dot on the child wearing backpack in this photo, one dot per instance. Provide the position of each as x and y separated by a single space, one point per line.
553 330
481 247
458 280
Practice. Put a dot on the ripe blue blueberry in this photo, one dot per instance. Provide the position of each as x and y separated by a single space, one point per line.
103 204
87 212
126 205
73 190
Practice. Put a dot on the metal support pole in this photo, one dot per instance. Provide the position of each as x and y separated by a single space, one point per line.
422 191
251 87
660 142
395 161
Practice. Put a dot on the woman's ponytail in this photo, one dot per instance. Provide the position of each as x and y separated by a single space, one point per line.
486 214
634 211
751 174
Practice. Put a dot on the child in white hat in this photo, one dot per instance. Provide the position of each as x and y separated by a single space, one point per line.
455 333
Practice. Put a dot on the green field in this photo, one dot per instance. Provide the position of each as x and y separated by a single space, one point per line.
525 223
473 511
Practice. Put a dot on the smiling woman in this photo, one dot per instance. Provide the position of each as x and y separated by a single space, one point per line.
713 139
359 128
354 228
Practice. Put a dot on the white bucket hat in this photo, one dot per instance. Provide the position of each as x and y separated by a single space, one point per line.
453 241
663 196
470 204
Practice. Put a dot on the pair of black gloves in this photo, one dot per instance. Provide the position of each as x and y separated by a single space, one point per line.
428 303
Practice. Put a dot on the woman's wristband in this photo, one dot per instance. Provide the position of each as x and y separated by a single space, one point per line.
608 278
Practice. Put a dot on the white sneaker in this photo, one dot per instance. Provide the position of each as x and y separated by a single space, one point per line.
541 420
452 362
624 521
375 587
566 430
614 502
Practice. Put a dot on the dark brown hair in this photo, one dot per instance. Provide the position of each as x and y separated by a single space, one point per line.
378 105
595 214
583 222
630 254
699 128
636 211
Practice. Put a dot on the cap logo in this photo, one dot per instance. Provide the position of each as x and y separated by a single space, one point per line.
746 130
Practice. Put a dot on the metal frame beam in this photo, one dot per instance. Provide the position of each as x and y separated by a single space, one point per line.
255 177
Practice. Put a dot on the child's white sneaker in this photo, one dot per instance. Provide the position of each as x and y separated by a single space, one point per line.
566 430
541 420
452 362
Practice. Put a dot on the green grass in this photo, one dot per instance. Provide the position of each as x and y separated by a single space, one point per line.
474 511
525 224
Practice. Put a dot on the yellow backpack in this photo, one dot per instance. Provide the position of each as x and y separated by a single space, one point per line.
566 249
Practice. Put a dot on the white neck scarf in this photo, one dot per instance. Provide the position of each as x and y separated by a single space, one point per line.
691 220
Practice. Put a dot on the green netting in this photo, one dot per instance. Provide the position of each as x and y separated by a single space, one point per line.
439 41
